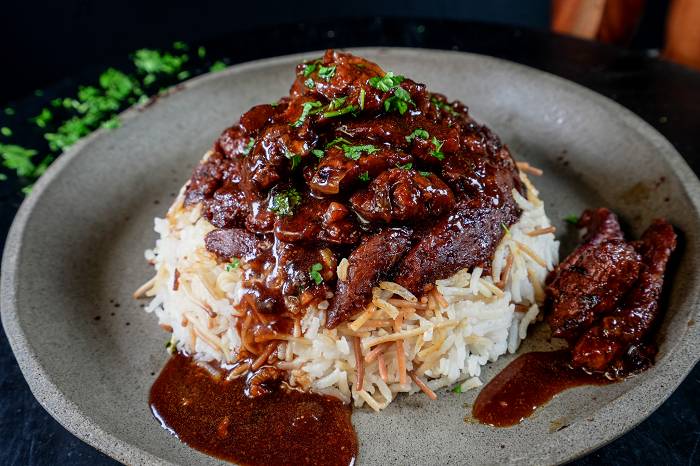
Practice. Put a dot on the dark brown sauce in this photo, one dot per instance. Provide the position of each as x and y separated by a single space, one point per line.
284 427
526 384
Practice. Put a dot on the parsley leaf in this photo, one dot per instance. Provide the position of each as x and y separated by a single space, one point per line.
201 52
5 131
425 174
406 166
310 68
436 152
364 176
335 142
326 72
354 152
9 111
249 146
318 153
284 203
362 99
116 84
295 158
235 262
305 110
457 389
217 66
18 158
151 61
342 111
309 83
314 273
337 103
572 219
417 133
43 118
444 106
387 82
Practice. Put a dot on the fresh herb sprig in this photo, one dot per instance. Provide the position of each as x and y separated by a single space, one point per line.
315 273
284 203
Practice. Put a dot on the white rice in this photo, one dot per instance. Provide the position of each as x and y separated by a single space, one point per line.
443 347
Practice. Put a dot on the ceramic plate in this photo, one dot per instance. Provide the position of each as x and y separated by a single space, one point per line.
75 254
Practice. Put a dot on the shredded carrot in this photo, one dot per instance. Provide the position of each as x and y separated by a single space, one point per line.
382 367
403 303
424 388
400 353
532 254
359 361
372 355
141 291
541 231
264 355
527 168
440 298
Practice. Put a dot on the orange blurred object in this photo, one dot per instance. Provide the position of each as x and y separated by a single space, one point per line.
616 22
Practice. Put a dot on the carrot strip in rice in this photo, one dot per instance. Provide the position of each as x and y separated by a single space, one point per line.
527 168
541 231
264 355
400 353
424 388
360 365
382 367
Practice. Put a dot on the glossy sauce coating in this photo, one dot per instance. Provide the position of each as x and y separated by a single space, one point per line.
526 384
280 427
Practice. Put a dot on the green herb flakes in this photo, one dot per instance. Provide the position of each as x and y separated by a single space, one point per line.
318 153
305 111
571 219
249 146
217 66
425 174
43 118
18 158
457 389
364 177
294 158
234 264
153 61
309 83
436 152
342 111
309 68
326 72
337 141
5 131
361 100
417 133
9 111
387 82
201 52
354 152
406 166
315 273
3 177
284 203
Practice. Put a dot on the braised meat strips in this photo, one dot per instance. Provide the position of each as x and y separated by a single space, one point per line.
604 298
355 163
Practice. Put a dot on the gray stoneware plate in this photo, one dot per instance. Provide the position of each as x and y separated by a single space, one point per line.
75 253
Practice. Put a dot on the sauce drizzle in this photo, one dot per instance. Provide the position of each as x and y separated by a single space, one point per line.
526 384
215 416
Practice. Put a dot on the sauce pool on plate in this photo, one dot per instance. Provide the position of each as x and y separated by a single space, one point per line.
527 383
216 416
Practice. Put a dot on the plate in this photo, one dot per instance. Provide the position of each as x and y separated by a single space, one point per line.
74 255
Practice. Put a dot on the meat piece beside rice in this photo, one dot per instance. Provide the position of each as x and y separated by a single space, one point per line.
361 238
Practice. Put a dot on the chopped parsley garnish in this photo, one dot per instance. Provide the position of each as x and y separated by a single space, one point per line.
337 103
400 99
437 153
444 106
342 111
309 83
234 264
201 52
354 152
310 68
217 66
18 158
336 141
249 146
362 99
364 176
295 158
326 72
318 153
153 61
5 131
425 174
457 389
9 111
43 118
417 133
406 166
315 273
284 203
305 110
387 82
171 345
572 219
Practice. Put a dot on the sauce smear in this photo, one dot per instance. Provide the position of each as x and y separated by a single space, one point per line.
284 427
526 384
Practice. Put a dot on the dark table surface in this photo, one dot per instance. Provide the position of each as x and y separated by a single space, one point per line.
665 95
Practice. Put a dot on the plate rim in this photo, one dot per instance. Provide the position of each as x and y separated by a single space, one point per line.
668 377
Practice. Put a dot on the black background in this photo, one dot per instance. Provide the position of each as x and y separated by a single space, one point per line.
60 45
